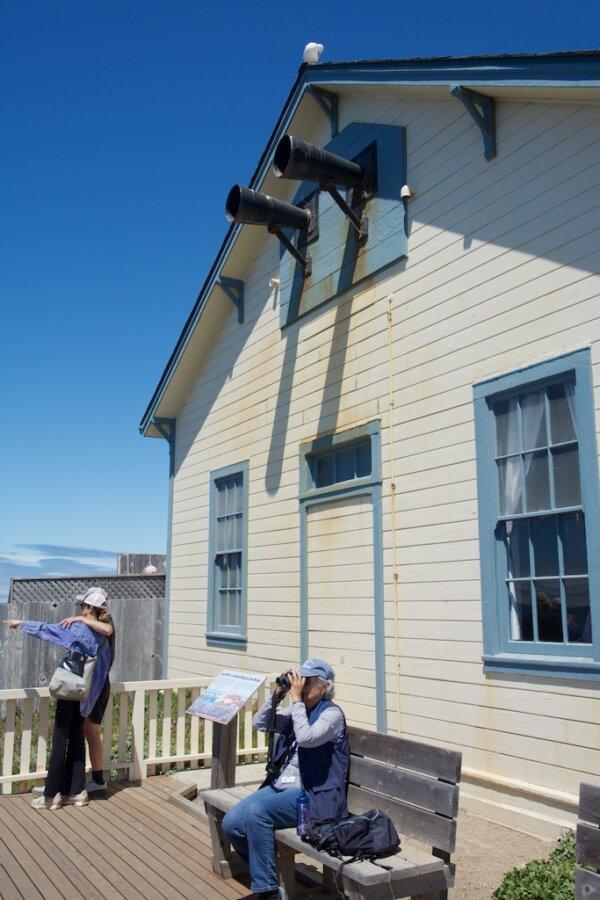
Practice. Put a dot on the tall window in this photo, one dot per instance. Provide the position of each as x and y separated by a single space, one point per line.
541 522
228 552
537 492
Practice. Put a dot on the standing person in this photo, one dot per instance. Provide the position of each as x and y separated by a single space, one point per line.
93 716
65 782
313 754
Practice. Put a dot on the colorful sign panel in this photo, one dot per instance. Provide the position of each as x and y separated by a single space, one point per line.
226 695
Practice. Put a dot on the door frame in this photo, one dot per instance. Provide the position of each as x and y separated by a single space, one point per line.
361 487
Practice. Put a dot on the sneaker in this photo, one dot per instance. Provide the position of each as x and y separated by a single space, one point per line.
38 790
93 786
47 802
80 799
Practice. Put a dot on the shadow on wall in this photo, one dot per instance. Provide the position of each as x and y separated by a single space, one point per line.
535 198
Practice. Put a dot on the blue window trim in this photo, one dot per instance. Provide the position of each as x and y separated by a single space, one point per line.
367 487
498 656
214 637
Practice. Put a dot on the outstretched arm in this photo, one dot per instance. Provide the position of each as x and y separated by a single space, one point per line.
103 628
79 637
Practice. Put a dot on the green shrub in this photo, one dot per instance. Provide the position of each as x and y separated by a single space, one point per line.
551 879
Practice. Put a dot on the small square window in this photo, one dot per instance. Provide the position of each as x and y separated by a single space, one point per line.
341 465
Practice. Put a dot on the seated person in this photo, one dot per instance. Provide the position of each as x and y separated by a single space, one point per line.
312 754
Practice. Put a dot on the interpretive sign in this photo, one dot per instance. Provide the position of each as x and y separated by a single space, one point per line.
225 695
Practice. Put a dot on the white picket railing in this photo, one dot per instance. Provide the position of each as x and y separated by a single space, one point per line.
152 723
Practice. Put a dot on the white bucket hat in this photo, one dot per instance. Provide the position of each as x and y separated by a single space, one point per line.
94 596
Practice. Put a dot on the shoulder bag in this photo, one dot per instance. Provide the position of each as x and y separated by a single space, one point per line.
72 677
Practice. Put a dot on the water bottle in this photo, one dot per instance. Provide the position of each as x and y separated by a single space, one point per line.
302 814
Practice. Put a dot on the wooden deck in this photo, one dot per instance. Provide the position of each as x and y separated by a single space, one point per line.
132 843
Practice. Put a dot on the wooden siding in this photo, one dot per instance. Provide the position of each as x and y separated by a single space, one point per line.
501 272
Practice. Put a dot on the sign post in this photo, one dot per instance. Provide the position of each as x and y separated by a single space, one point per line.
220 702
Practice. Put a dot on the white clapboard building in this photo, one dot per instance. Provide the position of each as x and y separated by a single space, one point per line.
381 415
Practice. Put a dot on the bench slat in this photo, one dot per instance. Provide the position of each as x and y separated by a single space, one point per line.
589 803
587 885
224 798
436 831
424 758
588 845
420 790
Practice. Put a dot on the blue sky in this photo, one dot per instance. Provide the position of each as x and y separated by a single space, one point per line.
123 126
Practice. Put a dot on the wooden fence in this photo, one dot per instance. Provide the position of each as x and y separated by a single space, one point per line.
30 662
145 726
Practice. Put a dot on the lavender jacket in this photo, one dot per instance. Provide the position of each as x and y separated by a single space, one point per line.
83 639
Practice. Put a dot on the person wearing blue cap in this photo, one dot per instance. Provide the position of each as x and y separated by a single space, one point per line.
312 755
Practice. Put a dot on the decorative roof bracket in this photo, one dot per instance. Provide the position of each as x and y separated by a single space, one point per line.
234 288
329 103
482 110
166 428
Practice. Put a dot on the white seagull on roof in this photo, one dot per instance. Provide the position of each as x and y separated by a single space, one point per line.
312 53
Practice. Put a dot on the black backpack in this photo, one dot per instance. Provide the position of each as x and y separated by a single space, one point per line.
366 836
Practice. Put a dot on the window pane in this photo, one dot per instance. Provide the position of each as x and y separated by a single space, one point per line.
325 474
517 547
563 424
507 427
534 420
223 570
363 459
237 537
549 611
509 476
231 497
579 623
521 622
572 533
221 497
229 533
345 464
221 611
567 491
221 535
537 485
545 546
234 608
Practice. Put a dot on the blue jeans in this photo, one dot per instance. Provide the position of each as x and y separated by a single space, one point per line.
250 826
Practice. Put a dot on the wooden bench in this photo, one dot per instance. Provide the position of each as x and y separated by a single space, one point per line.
415 784
587 884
